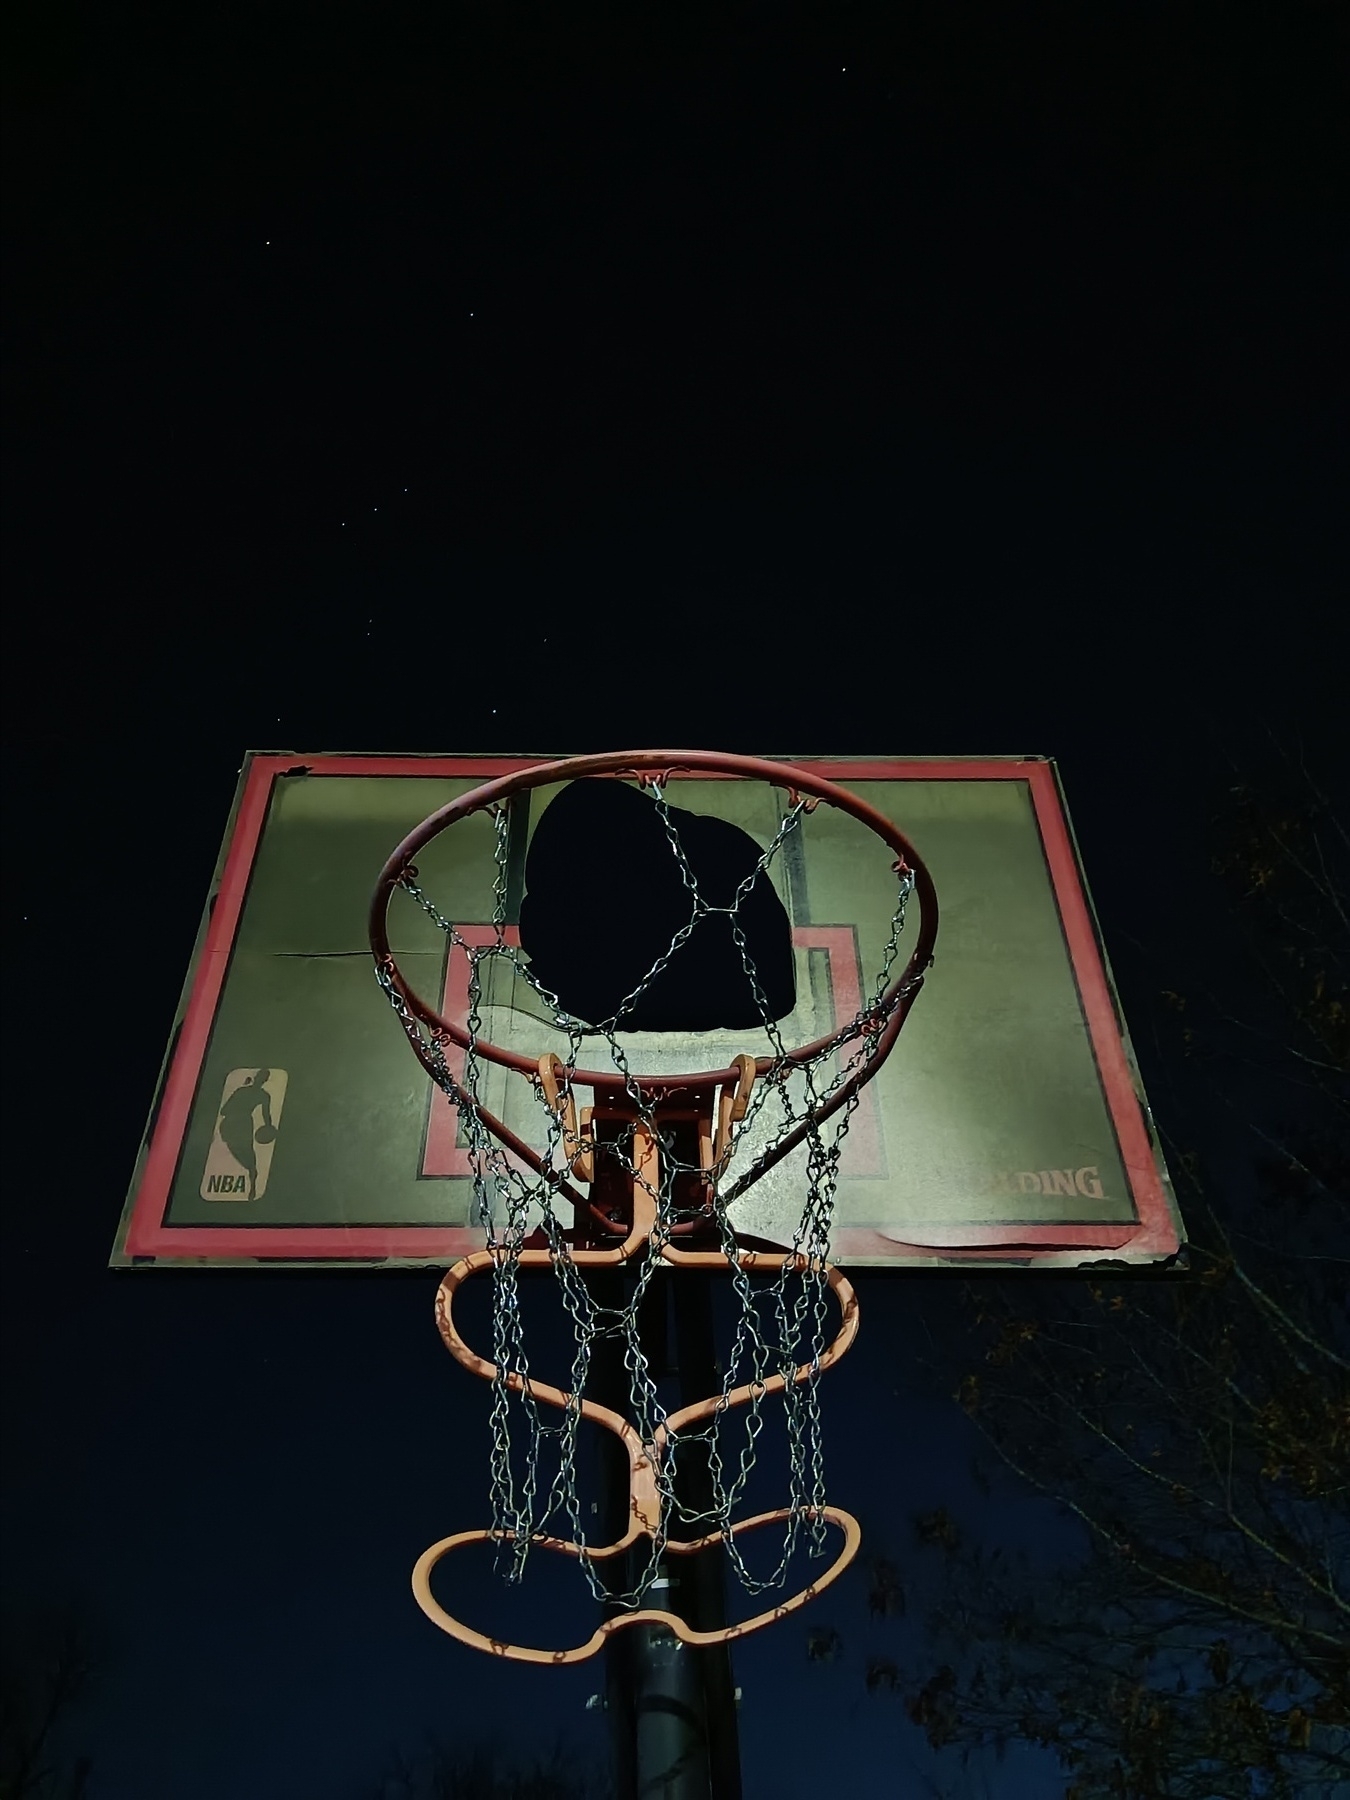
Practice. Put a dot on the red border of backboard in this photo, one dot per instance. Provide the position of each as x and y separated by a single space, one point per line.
1152 1236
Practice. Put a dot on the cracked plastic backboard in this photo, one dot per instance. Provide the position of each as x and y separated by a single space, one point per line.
293 1126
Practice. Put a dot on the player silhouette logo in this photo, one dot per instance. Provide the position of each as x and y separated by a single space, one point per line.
240 1157
240 1127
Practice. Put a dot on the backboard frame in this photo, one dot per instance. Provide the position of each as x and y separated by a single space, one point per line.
1153 1238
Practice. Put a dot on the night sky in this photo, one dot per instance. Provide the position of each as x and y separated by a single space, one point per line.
520 378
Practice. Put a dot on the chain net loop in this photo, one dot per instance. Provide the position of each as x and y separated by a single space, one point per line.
513 1202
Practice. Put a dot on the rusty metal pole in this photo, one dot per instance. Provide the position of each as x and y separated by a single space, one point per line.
655 1684
703 1599
673 1703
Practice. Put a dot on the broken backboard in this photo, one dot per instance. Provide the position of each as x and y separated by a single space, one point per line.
291 1127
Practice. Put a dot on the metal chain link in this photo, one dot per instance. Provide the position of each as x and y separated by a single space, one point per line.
797 1299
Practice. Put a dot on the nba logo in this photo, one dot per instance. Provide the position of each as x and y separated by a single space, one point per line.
239 1161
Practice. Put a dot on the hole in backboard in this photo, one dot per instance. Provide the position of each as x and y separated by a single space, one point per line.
604 896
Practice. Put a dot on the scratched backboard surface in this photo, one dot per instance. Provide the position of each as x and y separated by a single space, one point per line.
293 1126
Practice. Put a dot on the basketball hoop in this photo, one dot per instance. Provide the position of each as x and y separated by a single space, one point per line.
649 1171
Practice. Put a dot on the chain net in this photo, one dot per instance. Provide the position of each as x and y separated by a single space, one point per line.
513 1202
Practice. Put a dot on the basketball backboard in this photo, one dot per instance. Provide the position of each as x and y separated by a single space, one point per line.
1008 1127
